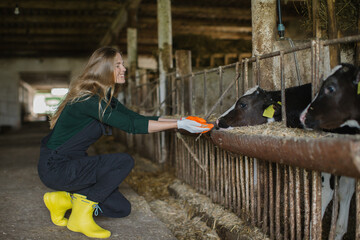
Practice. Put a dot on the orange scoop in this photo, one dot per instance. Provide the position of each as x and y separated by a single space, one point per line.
202 122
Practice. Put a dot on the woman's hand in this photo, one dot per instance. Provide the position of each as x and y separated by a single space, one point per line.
192 126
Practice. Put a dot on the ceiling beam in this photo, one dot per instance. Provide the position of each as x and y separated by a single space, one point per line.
48 46
55 19
208 13
64 5
47 39
200 12
119 22
53 31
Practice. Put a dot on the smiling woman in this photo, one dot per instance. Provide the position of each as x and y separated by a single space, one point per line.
119 71
86 184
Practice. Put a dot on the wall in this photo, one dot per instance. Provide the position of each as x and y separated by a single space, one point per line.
10 110
10 106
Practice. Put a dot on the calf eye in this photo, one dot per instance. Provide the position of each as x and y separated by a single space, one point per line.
242 105
329 89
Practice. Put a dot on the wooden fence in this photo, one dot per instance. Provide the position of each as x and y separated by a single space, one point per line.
274 183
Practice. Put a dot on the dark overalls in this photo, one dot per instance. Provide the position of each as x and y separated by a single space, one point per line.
69 168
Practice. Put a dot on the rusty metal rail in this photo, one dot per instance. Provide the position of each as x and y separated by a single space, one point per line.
337 155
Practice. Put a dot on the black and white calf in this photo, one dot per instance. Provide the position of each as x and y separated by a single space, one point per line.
249 109
338 102
336 105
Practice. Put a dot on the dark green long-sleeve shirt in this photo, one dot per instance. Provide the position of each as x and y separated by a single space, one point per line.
76 116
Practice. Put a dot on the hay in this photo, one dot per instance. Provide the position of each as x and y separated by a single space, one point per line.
278 129
346 13
219 218
180 222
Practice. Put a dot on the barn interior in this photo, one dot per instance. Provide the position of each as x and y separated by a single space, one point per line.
46 44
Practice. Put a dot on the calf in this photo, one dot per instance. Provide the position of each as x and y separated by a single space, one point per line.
249 109
336 105
338 102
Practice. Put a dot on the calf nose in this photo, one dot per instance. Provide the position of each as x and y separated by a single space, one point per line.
221 123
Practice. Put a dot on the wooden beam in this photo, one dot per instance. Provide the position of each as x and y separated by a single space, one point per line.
52 31
152 21
144 34
48 46
64 5
119 22
316 18
48 39
203 29
332 34
197 12
55 19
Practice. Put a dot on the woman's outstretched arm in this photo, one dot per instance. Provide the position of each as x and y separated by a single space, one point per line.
161 125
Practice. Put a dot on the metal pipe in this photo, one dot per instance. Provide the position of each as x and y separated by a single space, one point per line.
337 155
283 87
281 27
296 62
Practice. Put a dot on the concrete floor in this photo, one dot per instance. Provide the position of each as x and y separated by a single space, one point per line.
23 214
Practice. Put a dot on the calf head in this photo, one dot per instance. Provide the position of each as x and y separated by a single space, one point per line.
248 110
337 103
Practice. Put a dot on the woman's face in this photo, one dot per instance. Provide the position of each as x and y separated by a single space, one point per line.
119 70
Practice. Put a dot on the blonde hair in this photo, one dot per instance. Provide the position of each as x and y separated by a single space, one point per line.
97 79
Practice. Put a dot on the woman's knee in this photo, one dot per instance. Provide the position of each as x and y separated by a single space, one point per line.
129 160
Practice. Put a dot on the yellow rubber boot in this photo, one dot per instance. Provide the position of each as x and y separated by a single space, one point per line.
58 203
81 218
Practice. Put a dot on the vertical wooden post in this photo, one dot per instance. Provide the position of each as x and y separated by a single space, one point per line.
132 54
144 87
332 33
263 37
316 18
164 44
165 60
132 62
183 67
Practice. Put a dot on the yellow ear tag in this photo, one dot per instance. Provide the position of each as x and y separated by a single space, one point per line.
269 111
358 89
279 103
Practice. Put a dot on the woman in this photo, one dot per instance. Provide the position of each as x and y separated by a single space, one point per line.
86 184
